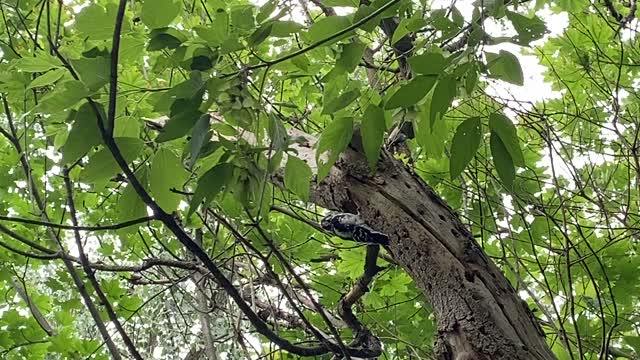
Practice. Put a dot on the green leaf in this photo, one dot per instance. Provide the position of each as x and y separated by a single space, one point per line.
167 172
634 342
327 27
297 177
200 135
363 12
529 29
242 19
502 161
412 92
470 80
333 141
504 128
428 64
183 116
443 96
102 165
346 3
210 184
464 145
266 10
97 23
260 35
165 39
505 66
350 56
93 72
341 101
65 96
284 28
372 130
41 63
130 206
47 78
159 13
84 134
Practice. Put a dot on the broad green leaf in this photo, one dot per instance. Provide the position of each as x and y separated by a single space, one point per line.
210 184
68 94
43 62
502 161
47 78
297 177
284 28
84 134
428 64
93 72
97 23
266 10
341 101
349 3
363 12
183 116
130 206
327 27
470 80
529 29
277 133
200 135
443 96
333 141
159 13
167 172
242 19
350 56
165 38
102 165
464 145
217 32
412 92
505 66
372 131
260 35
634 342
504 128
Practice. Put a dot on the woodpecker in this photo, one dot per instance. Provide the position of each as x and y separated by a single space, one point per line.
351 227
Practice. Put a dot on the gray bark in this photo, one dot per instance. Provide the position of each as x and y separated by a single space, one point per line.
479 314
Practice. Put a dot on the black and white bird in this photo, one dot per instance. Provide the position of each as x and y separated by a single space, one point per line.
351 227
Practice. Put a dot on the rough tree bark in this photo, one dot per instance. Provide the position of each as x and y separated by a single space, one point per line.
479 314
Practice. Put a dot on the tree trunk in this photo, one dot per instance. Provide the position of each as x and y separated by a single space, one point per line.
478 312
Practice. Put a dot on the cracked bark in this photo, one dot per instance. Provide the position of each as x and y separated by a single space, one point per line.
479 314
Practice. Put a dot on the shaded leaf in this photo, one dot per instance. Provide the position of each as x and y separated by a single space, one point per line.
47 78
200 135
504 128
502 161
341 101
159 13
210 184
102 165
428 64
167 172
297 177
505 66
372 131
464 145
442 97
333 141
327 27
412 92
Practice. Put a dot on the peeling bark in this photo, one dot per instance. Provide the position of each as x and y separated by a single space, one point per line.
479 314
